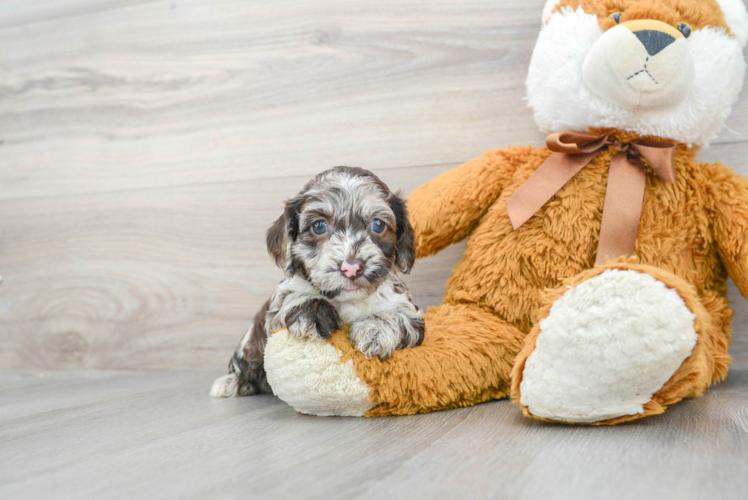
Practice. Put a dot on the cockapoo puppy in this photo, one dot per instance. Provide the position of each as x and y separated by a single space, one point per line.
341 242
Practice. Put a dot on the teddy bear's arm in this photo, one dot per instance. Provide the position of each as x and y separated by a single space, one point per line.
729 197
445 209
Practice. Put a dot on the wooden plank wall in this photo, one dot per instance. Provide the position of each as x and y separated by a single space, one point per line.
148 144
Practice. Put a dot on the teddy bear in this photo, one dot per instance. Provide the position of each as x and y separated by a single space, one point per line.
592 289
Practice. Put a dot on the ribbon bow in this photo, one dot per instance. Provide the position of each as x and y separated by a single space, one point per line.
572 151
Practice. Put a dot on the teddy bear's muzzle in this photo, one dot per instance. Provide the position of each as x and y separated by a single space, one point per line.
641 64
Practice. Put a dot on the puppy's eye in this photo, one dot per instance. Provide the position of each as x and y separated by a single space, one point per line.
377 226
616 16
319 227
685 28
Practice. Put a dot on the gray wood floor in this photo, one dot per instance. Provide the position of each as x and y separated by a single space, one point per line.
157 435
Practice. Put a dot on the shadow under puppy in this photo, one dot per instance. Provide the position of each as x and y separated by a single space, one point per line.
341 242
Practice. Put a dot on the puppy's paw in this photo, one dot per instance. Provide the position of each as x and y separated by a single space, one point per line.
225 387
249 381
315 318
375 336
380 335
413 329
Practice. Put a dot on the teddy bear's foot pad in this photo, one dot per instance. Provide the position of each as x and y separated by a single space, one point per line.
308 375
607 345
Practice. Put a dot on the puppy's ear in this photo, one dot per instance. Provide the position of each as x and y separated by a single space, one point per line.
283 232
277 241
405 250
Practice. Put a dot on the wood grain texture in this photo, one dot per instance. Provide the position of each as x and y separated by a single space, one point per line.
148 144
156 435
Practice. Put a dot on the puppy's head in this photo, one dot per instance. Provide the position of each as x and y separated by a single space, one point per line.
343 233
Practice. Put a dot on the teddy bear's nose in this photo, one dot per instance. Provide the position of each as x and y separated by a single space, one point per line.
653 35
654 41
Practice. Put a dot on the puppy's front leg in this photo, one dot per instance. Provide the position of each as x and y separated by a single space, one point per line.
314 317
381 333
303 311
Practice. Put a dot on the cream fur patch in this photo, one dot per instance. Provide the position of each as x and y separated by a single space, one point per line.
606 347
308 375
561 100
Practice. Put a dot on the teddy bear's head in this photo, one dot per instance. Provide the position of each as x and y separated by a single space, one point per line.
668 68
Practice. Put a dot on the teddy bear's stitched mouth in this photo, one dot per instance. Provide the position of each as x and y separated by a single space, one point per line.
644 70
622 70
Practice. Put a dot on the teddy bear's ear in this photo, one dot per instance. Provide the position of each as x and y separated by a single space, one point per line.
736 18
734 12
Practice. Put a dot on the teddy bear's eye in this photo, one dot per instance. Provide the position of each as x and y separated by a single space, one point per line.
685 28
616 16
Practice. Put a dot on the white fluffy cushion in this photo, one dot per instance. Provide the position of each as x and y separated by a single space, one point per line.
308 375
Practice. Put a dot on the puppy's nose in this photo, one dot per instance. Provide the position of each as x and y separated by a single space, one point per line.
352 268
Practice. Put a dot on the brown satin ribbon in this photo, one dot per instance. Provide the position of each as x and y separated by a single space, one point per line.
572 151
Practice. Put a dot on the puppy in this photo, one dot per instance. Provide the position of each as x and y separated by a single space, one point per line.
341 242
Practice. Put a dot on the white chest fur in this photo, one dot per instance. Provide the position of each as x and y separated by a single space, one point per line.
384 299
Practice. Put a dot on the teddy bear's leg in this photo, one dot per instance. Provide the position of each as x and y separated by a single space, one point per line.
616 343
466 358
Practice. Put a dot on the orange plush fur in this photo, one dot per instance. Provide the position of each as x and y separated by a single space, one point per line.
507 279
697 13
